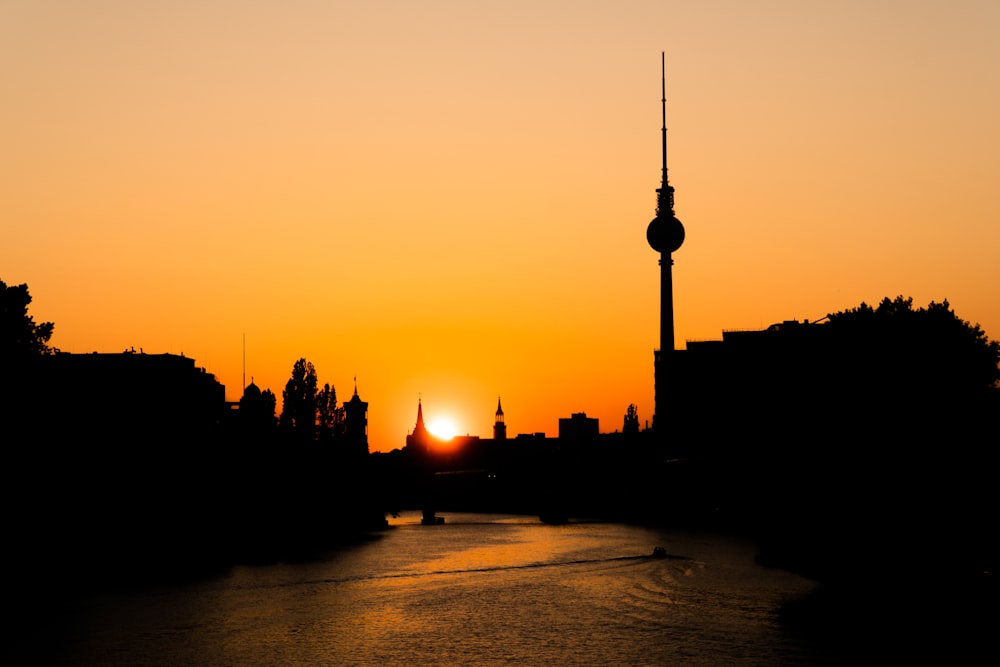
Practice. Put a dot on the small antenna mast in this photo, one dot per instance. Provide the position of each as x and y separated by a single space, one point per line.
244 361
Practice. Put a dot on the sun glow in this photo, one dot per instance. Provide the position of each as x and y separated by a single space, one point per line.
443 428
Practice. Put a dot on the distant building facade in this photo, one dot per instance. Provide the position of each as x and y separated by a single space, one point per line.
578 427
131 397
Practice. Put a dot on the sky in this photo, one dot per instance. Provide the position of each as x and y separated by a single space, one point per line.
446 201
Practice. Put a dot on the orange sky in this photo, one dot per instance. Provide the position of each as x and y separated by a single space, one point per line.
449 199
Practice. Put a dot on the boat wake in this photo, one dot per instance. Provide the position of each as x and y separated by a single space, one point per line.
473 570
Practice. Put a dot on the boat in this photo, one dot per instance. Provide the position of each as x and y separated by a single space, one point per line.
430 519
554 519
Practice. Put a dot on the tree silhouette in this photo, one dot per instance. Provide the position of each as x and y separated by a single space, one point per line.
875 426
331 418
299 408
20 337
631 425
923 351
269 404
24 349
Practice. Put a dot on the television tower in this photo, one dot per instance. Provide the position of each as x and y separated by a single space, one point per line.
665 234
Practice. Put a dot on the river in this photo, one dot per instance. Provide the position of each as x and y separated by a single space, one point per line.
476 590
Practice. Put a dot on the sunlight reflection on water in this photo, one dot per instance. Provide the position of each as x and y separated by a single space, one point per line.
479 589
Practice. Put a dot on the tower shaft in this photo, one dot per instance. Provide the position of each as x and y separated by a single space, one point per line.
666 304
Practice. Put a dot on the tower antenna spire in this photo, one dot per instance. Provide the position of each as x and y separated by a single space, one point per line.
665 193
663 105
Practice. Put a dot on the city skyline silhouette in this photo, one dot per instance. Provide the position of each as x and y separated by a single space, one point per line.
459 217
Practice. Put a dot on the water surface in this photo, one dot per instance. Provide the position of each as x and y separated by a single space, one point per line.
477 590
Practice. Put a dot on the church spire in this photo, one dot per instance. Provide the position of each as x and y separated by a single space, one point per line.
419 428
420 440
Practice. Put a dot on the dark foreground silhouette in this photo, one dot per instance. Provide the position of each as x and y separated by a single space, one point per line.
860 452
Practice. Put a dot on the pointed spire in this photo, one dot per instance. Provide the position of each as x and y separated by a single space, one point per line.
420 428
355 385
499 427
664 193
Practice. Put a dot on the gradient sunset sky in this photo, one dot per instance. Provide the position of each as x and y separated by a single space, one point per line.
448 199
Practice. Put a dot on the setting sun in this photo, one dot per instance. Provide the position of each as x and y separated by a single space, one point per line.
443 428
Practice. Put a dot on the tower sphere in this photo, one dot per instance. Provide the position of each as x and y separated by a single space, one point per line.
665 234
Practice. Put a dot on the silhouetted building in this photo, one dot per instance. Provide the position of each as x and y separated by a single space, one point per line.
730 385
356 424
132 397
251 396
255 417
578 428
419 440
499 426
665 234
